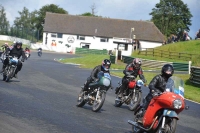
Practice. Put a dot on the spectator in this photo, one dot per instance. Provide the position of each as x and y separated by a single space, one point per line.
173 38
198 35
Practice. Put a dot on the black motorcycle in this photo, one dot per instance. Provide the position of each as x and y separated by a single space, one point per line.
96 94
9 71
39 53
133 96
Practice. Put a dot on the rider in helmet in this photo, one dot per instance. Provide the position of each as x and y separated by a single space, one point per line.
28 50
105 66
16 51
134 68
158 83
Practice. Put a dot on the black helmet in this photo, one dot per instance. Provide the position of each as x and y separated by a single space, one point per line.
18 43
167 70
106 64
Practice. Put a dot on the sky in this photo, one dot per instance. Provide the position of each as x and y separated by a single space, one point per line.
118 9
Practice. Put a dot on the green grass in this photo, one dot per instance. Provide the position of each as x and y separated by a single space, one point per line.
90 61
191 47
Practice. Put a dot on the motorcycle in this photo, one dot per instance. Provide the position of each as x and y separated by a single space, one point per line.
134 93
162 112
96 94
39 53
27 54
9 71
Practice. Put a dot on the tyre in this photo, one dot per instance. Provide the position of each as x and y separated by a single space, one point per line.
135 100
118 102
169 126
10 73
80 100
98 103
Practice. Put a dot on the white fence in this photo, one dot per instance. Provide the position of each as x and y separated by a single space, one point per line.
12 39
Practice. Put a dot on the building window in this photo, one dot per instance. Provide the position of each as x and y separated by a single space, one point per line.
81 37
123 47
103 40
53 35
59 35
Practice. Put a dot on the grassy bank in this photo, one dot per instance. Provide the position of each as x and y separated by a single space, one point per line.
90 61
190 47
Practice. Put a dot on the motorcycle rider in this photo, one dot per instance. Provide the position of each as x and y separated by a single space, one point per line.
28 50
134 69
16 51
158 84
105 66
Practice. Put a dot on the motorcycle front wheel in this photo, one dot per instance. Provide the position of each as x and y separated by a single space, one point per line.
135 100
98 103
169 126
10 73
80 100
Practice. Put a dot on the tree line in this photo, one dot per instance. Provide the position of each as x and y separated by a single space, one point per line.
170 16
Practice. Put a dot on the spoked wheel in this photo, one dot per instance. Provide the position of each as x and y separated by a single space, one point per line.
98 103
118 101
9 74
169 126
135 100
80 100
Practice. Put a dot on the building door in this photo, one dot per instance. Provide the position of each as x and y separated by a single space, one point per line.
119 55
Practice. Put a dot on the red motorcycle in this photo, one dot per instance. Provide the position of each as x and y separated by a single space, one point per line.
162 113
134 93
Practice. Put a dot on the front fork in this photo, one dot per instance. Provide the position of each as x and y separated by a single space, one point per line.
97 93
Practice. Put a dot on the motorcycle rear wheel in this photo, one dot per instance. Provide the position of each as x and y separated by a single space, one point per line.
135 100
99 102
169 127
118 103
80 100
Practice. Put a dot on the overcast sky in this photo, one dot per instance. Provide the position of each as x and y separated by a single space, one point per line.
120 9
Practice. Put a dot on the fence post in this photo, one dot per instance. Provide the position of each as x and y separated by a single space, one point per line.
189 66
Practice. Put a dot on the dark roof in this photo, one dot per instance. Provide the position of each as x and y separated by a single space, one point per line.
106 27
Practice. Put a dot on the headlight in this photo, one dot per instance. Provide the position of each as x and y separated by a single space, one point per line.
177 104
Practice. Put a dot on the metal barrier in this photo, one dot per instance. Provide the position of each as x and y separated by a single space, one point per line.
159 64
195 75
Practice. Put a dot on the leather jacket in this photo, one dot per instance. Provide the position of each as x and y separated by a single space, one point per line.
96 70
130 70
158 83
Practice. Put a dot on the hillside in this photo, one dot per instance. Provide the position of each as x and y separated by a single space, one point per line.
188 47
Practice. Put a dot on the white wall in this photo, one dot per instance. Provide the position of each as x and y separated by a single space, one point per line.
12 39
93 42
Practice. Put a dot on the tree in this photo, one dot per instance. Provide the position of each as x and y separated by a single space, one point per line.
93 7
24 25
171 17
4 24
41 15
88 14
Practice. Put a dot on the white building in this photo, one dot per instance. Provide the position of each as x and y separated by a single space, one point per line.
64 33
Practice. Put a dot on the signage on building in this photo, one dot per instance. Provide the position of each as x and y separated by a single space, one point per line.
70 39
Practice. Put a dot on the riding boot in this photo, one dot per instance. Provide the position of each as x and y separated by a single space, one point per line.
15 75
